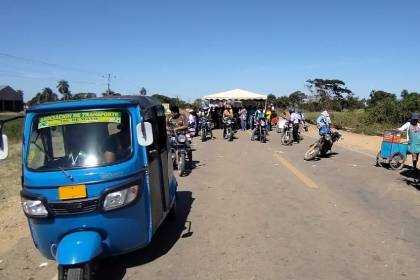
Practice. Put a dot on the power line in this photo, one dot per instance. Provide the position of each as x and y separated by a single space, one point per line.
36 61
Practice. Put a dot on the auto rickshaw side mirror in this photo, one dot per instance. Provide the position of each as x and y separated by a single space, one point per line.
4 147
144 134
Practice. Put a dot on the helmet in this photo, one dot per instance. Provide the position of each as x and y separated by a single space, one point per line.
415 116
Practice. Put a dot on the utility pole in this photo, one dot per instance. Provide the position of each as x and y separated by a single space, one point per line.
109 77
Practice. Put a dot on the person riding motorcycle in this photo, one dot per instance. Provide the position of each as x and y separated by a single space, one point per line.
227 115
295 118
176 121
413 135
259 115
324 123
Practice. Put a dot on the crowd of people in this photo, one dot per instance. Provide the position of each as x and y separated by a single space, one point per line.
243 117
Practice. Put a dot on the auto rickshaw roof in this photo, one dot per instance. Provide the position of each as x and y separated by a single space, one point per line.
147 104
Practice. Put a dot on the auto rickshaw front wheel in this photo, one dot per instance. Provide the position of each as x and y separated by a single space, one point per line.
74 272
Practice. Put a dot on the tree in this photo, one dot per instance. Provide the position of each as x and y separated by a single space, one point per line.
328 91
377 96
282 102
271 99
296 98
110 93
143 91
64 88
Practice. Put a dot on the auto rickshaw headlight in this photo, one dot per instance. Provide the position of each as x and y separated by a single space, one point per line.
34 207
120 198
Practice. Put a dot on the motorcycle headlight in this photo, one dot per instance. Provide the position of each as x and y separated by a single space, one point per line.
229 122
328 137
182 138
120 198
34 207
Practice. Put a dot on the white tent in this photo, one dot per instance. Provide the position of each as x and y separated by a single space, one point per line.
236 94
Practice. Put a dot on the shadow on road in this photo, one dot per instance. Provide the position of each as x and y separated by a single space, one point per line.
411 178
163 240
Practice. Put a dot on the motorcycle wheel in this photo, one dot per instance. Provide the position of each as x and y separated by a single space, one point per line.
203 135
263 136
312 152
286 139
181 165
396 162
74 273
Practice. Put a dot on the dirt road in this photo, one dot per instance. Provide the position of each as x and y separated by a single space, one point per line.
258 211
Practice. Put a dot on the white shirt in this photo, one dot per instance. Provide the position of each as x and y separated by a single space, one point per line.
295 118
406 127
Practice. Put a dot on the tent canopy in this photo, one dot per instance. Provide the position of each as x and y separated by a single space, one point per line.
236 94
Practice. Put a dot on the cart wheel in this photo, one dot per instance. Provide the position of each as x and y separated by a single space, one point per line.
396 161
379 159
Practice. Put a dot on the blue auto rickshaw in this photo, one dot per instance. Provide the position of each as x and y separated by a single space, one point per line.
97 179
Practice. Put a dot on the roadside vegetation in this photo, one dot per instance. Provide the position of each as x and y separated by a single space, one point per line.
381 110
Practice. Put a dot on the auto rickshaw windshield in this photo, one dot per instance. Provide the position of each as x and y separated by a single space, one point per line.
79 139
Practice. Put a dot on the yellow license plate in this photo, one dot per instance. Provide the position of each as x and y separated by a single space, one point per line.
72 192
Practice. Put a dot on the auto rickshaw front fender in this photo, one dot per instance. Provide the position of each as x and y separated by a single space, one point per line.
79 247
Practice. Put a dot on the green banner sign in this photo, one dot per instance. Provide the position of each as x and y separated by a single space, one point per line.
79 117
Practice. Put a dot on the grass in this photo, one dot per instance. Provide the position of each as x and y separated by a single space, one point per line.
10 168
355 121
10 172
12 129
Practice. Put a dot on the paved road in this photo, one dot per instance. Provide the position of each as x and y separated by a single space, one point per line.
258 211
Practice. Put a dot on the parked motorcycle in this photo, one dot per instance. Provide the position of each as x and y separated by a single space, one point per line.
180 150
206 127
260 131
322 145
229 132
287 134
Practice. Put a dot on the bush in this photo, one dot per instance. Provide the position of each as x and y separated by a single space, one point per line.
358 121
13 130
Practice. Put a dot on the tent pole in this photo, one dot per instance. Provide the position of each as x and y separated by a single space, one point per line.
266 104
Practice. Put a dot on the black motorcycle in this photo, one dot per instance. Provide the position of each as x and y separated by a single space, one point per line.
229 131
180 151
322 145
287 134
260 131
206 127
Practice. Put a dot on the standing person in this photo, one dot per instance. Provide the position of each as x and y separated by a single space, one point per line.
413 135
252 117
268 118
295 119
243 116
227 114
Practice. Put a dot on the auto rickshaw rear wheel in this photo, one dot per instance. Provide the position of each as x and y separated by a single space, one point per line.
396 162
74 272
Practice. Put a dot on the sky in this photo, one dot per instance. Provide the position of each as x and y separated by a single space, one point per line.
191 48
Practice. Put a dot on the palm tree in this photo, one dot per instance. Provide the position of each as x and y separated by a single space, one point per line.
64 88
48 95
